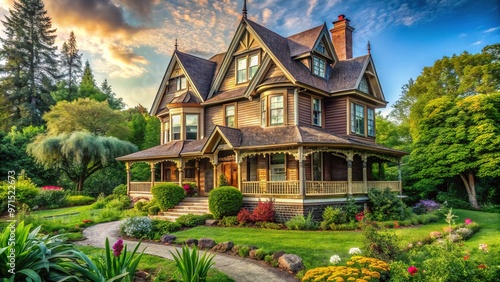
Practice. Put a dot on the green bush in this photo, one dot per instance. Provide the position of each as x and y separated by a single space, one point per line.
26 193
168 195
229 221
269 225
51 199
191 220
120 190
243 251
386 205
79 200
140 206
225 201
165 227
108 214
331 215
192 265
260 254
380 244
119 202
300 222
154 210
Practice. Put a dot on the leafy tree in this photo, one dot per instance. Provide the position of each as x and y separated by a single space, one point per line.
71 63
86 115
79 154
114 102
137 126
88 87
28 62
458 138
152 135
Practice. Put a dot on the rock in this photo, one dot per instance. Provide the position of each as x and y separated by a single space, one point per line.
168 238
252 254
211 222
235 250
277 255
291 262
191 242
223 247
206 243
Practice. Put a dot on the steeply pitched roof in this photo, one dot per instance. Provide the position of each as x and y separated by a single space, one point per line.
303 42
184 98
199 70
345 74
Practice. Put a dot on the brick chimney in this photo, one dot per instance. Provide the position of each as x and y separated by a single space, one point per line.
342 37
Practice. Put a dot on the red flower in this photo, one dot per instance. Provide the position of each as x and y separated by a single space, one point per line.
481 266
412 270
360 216
87 220
396 224
466 257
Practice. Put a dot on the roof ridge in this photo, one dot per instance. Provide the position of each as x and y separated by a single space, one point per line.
304 31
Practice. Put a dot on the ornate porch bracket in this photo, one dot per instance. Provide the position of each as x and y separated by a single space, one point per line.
292 152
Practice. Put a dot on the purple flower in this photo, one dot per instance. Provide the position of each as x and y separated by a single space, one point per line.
117 248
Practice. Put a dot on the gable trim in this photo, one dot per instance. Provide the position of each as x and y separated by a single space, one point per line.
264 66
215 136
377 87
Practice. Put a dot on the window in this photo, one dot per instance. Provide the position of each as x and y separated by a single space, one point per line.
276 110
317 171
191 126
176 127
189 173
319 66
363 85
181 83
229 112
357 119
165 132
246 67
371 122
321 48
263 110
316 115
277 167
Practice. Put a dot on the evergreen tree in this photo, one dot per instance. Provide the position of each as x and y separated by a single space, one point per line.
72 66
28 62
88 87
114 102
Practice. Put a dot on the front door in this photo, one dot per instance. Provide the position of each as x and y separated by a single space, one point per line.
230 170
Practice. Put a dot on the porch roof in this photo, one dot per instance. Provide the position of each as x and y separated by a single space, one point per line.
172 149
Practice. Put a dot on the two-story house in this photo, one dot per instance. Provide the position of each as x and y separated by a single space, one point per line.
290 118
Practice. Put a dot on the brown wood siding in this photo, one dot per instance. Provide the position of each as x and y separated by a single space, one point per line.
229 81
248 113
338 168
290 107
327 167
213 117
336 115
292 168
274 71
304 109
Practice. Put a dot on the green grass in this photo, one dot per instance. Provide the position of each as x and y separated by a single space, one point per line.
62 211
316 247
160 268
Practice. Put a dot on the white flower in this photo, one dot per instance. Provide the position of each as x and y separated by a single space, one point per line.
482 247
410 245
354 251
335 259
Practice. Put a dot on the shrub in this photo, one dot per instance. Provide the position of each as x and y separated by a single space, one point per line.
350 209
51 198
269 225
243 251
108 214
154 210
225 201
386 205
331 215
191 265
261 253
223 181
26 192
79 200
120 190
191 220
165 227
299 222
382 245
228 221
119 202
264 211
137 227
452 201
425 206
244 216
189 189
168 195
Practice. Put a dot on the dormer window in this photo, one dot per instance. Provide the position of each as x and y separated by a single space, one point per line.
181 83
363 85
321 48
319 67
246 67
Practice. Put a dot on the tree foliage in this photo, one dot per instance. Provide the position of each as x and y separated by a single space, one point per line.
79 154
88 87
71 63
28 62
86 115
114 102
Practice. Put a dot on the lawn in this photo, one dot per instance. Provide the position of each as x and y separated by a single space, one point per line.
316 247
62 211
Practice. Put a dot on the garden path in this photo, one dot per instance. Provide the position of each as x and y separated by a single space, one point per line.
239 269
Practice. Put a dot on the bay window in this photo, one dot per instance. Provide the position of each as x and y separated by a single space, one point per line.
357 119
276 110
191 126
176 127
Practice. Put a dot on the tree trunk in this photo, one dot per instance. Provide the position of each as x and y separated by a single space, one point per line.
470 186
79 186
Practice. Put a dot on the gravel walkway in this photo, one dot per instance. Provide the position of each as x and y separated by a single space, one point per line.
239 269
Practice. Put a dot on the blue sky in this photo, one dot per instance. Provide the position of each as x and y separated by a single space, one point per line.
130 42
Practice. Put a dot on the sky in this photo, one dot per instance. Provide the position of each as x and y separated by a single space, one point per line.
130 42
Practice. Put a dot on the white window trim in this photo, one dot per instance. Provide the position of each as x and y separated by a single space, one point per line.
247 59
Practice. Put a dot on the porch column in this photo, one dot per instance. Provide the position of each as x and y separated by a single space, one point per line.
238 163
302 172
197 167
162 176
127 168
152 167
400 178
365 176
349 176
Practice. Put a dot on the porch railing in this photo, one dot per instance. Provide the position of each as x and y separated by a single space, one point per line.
395 186
143 186
271 187
326 187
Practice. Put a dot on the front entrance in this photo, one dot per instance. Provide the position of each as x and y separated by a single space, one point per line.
230 171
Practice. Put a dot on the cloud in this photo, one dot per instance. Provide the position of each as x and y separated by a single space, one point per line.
312 5
477 43
492 29
266 15
142 9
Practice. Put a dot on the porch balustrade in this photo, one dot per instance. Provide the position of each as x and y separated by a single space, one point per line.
271 187
326 187
143 186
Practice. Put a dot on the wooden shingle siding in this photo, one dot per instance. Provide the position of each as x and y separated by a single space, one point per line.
274 71
213 117
229 81
248 113
292 168
290 107
336 115
304 109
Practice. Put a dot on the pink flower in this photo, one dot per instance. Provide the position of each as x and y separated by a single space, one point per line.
468 221
117 248
360 216
412 270
483 247
53 188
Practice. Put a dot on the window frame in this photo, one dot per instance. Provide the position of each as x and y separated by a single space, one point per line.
186 126
166 131
370 122
318 68
272 175
271 109
364 83
180 81
249 70
318 166
319 112
173 132
226 123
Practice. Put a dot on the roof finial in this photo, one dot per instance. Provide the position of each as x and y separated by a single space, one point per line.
176 44
369 47
245 9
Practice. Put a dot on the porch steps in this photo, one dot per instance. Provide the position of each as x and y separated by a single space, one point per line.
189 205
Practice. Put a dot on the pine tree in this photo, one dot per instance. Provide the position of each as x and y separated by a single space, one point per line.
28 62
113 102
88 87
72 66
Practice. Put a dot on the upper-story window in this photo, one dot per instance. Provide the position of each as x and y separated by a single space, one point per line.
363 85
229 115
272 110
316 112
192 126
166 130
319 67
263 112
181 83
321 48
176 127
371 122
246 67
357 119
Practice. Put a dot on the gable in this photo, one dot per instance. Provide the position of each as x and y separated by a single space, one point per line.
368 82
247 42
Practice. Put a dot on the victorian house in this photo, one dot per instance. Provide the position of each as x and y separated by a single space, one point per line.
289 118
